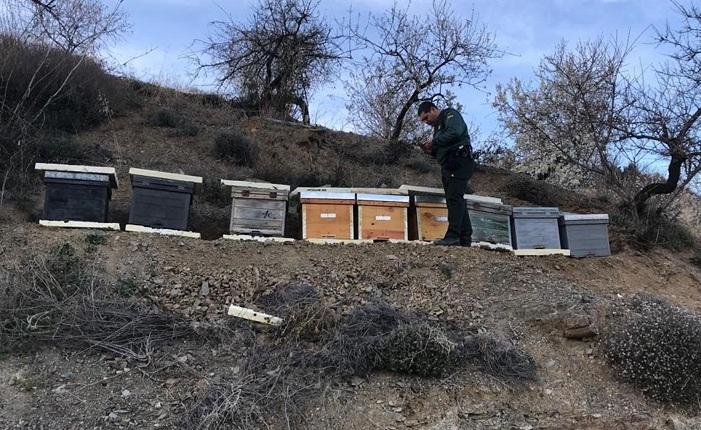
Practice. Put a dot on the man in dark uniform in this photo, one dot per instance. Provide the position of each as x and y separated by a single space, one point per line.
451 146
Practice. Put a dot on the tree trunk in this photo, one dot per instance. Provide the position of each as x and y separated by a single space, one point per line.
397 129
674 173
304 107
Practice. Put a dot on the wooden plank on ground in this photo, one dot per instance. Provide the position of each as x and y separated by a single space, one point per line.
164 231
251 315
109 171
81 224
257 238
492 246
541 252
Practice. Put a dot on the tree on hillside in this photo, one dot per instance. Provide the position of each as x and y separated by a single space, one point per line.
77 26
277 57
413 58
590 118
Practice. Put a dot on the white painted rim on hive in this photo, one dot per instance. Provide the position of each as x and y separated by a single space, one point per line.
164 231
81 224
256 185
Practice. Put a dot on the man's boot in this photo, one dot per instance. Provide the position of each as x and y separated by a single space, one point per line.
447 242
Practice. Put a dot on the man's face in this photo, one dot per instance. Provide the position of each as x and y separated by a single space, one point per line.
430 116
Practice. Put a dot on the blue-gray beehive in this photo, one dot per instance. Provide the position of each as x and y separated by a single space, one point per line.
585 234
536 228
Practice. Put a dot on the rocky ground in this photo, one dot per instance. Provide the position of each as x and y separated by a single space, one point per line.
541 304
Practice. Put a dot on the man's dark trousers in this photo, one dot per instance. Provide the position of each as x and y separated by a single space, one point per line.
455 173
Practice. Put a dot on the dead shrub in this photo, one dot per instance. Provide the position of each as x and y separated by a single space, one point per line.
61 299
656 346
236 147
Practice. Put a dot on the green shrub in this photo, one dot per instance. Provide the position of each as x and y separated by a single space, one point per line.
656 346
234 146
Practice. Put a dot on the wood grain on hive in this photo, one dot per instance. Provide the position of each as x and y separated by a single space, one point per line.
327 215
258 208
490 219
428 219
382 217
161 200
77 193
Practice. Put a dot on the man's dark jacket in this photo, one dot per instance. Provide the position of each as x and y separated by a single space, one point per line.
449 133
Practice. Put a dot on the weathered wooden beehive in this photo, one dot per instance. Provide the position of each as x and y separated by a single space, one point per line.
161 200
77 193
382 216
491 220
535 228
428 217
585 234
327 215
258 208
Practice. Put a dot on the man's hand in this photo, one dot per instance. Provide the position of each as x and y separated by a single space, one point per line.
427 146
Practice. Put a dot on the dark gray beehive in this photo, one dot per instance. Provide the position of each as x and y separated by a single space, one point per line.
77 193
161 200
535 228
585 234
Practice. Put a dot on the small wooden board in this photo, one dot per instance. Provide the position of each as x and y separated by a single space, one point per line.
541 252
251 315
164 231
492 246
99 170
339 241
246 237
81 224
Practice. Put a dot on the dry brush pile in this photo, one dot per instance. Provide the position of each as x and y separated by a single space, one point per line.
656 346
289 368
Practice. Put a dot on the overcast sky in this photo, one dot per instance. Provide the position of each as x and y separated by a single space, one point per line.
164 31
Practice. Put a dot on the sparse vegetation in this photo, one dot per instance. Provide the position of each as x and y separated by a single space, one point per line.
236 147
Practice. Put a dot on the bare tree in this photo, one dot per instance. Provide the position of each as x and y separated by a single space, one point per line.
277 57
417 58
78 26
589 117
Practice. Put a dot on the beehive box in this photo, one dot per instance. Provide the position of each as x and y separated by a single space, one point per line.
428 217
382 217
258 208
77 193
161 200
490 219
535 228
585 234
327 215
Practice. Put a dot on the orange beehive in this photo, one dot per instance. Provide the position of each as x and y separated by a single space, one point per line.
327 215
428 218
382 217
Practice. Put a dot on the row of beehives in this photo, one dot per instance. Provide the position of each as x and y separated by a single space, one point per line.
79 196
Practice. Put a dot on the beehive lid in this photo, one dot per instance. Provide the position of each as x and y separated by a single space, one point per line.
383 198
536 212
419 199
585 218
483 199
95 170
165 175
327 195
256 186
418 190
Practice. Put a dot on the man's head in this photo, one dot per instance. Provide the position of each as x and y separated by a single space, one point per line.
428 113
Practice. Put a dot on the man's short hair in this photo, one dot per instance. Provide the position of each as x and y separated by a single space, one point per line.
426 107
